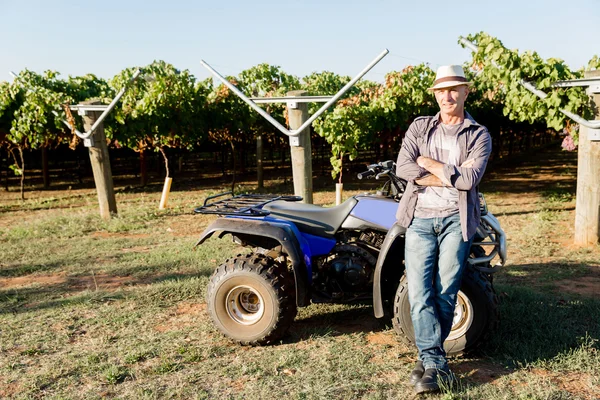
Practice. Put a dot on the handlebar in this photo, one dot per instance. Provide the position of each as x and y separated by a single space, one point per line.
383 173
377 170
372 170
366 174
395 185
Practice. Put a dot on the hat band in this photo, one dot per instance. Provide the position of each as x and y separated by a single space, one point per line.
450 78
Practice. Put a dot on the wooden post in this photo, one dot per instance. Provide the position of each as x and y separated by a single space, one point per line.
259 162
100 164
164 198
339 189
300 149
587 212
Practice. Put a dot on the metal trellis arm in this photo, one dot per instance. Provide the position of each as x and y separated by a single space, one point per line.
539 93
276 124
112 104
107 109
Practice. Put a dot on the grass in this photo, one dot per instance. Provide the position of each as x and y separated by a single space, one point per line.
93 309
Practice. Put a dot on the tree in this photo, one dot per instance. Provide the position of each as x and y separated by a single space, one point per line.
328 126
229 119
30 100
265 80
503 70
27 106
403 98
164 109
372 113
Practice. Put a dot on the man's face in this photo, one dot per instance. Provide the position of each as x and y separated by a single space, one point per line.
452 99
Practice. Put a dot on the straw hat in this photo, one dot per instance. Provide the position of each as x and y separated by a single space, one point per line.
448 76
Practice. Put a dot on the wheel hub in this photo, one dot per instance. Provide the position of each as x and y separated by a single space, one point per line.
244 305
463 317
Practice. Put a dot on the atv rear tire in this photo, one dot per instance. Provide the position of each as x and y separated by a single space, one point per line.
475 315
251 299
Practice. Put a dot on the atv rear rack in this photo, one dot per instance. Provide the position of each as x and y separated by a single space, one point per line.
243 204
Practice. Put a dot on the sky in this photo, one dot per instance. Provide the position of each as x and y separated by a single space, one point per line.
301 37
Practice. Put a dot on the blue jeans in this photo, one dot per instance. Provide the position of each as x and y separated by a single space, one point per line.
435 257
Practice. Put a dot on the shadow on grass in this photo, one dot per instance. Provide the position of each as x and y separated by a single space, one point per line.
17 270
536 329
335 323
538 326
74 290
548 275
524 174
557 209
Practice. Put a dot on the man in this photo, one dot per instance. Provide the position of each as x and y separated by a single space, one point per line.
443 159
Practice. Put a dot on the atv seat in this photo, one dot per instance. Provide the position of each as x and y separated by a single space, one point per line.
315 220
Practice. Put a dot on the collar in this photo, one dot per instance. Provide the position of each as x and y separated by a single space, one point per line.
467 122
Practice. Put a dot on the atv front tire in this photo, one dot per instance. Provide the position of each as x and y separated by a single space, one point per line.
475 314
251 299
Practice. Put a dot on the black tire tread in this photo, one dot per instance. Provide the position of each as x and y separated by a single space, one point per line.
484 285
278 277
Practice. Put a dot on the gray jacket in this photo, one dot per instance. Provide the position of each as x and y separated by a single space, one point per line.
475 143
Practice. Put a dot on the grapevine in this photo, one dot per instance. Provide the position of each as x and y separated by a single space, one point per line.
503 70
171 109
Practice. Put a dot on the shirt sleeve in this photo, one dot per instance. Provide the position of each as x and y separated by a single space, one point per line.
406 165
468 178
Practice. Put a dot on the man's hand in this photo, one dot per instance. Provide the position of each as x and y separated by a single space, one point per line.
429 180
435 167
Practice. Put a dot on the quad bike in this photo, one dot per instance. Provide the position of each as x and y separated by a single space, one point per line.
353 252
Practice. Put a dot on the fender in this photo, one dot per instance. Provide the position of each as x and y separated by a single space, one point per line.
394 267
259 231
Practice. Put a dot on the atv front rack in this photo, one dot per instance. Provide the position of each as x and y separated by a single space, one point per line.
242 204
